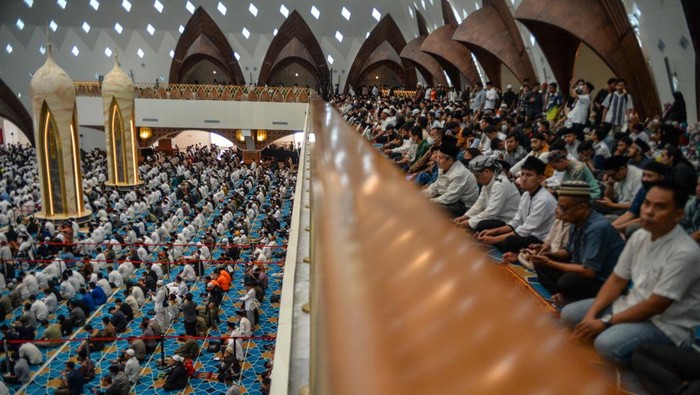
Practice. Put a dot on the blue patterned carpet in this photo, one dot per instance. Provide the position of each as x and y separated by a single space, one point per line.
258 350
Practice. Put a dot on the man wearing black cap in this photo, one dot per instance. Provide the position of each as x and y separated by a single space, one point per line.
629 222
534 217
455 189
637 154
578 270
622 183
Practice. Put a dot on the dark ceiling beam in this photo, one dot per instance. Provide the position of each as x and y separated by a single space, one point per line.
691 8
12 109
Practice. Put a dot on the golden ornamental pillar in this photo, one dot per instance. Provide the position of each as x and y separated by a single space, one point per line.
120 132
57 144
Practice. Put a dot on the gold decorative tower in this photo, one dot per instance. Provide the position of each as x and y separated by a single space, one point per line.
57 143
120 133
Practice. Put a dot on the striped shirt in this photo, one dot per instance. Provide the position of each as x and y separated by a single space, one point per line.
618 105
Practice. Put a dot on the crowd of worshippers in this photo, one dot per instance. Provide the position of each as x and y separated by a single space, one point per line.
43 264
579 190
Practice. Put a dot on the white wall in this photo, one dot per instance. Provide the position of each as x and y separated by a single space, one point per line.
11 133
202 114
192 137
91 138
665 21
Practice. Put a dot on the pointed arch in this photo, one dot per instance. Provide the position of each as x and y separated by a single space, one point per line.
493 36
383 45
51 162
294 42
452 56
607 32
12 109
118 140
203 39
428 67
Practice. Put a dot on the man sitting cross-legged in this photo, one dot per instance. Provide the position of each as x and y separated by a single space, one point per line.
579 269
498 201
534 217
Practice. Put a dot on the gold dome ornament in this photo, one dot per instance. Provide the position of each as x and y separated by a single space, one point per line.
58 144
120 132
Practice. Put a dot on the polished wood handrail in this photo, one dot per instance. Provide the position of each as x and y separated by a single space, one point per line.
403 303
205 92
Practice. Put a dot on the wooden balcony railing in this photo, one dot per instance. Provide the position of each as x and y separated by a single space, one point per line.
205 92
402 302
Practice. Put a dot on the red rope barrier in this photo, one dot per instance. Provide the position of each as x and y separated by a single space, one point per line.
111 339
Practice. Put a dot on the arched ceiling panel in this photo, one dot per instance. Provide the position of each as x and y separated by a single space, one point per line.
294 39
607 31
450 54
383 43
216 46
426 64
490 33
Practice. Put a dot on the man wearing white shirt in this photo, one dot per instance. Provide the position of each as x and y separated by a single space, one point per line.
100 261
534 218
622 183
498 201
653 295
126 270
491 97
115 277
50 301
455 189
67 289
104 284
39 308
